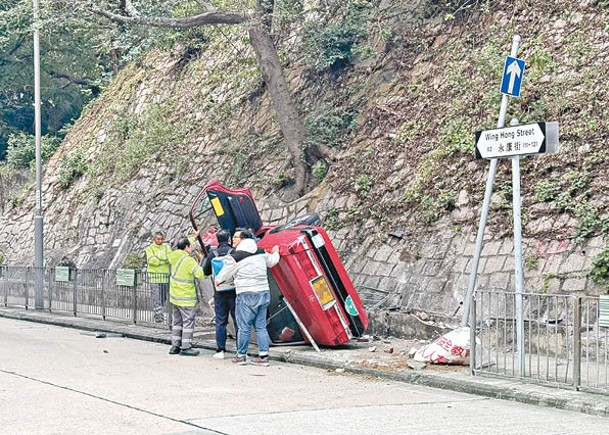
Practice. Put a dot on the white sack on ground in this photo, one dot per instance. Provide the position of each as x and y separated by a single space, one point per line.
451 348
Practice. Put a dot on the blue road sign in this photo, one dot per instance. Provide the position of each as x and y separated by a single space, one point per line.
513 72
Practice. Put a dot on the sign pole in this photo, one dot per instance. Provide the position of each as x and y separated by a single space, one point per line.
38 219
518 272
473 275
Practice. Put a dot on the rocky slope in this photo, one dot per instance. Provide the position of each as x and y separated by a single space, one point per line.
400 189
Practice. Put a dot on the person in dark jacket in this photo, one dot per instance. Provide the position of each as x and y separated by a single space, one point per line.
224 296
253 293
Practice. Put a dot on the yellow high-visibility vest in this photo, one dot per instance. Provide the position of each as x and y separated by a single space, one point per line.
158 263
184 271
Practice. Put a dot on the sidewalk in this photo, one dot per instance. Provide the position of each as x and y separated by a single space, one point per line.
384 359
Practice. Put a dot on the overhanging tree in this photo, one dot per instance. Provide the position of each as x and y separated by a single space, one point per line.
259 22
72 66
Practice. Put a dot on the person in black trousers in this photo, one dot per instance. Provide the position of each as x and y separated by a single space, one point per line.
224 296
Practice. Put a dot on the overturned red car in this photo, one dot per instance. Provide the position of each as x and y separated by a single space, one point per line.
312 297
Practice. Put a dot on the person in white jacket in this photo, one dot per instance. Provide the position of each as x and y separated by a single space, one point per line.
253 294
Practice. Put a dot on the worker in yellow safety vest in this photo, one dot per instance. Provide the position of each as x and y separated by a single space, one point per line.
158 273
183 297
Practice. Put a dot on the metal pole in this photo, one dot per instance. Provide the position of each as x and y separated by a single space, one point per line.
518 273
74 293
135 296
302 326
38 221
5 272
473 274
472 339
577 343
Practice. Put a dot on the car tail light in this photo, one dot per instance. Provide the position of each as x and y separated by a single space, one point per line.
323 292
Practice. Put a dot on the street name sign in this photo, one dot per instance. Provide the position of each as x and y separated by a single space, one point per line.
541 137
513 73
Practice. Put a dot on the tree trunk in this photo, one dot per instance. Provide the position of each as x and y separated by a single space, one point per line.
290 122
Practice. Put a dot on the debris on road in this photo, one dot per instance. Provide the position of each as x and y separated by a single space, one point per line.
100 334
416 365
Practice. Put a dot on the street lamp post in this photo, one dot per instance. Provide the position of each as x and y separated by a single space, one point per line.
38 221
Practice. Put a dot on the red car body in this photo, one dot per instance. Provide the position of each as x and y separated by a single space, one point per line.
311 292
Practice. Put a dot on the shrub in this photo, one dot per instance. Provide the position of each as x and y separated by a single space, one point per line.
447 200
599 269
331 221
133 260
329 128
74 166
319 170
21 152
330 46
363 185
547 190
531 262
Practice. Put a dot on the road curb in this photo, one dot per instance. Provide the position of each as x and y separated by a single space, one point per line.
505 389
512 389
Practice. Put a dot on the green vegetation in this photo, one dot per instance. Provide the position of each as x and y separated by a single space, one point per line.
547 190
531 262
331 45
72 167
363 185
98 194
319 171
331 220
133 260
447 200
329 126
75 65
599 269
21 151
138 140
391 97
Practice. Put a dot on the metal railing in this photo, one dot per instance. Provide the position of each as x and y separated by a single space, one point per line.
372 298
563 342
594 345
104 294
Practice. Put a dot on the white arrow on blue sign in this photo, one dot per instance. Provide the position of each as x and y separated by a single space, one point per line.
513 72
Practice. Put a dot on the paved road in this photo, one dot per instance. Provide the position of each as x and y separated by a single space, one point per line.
62 381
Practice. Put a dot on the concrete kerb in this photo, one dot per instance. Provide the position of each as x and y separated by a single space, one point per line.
511 389
506 389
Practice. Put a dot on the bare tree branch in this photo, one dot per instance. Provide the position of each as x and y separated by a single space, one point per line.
206 18
290 121
128 7
95 89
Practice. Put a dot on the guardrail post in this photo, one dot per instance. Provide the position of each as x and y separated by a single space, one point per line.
75 293
577 343
26 286
50 280
135 296
472 336
5 277
103 292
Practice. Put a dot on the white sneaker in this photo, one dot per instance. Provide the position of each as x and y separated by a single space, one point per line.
219 355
